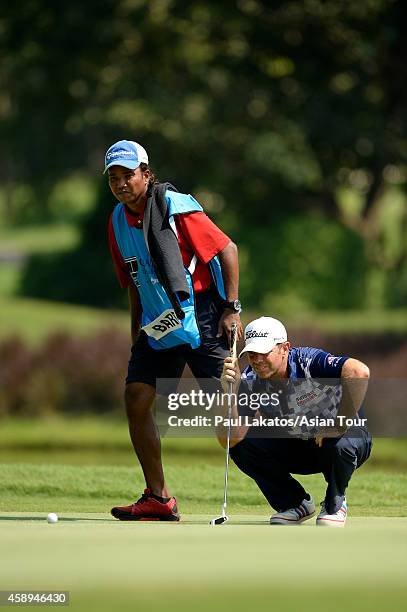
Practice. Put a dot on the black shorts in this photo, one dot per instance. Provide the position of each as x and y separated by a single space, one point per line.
146 364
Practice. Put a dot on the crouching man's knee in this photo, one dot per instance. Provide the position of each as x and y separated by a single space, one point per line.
352 450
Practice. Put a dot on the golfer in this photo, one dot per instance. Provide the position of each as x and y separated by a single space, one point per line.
286 376
181 272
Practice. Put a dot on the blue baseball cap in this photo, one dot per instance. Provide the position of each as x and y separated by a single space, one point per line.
125 153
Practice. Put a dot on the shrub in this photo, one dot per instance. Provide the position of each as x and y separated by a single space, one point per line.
66 374
72 375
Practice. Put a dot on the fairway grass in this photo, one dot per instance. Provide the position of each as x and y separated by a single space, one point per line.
35 319
243 565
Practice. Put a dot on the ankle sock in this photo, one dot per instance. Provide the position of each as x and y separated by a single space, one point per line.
163 500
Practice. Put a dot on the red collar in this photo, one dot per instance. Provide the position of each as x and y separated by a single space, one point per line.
134 219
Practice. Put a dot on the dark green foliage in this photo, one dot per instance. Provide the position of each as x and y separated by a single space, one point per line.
272 108
317 261
85 275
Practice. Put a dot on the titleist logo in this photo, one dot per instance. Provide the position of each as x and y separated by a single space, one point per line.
254 334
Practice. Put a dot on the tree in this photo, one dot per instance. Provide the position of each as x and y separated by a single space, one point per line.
272 111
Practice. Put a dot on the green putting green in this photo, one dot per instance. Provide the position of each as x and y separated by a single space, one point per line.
107 565
81 469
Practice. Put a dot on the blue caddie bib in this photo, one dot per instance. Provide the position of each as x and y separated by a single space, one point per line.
159 321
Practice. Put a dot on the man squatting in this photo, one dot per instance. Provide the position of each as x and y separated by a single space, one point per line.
275 365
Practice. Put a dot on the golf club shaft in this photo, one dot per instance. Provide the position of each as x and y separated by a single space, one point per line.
229 413
229 416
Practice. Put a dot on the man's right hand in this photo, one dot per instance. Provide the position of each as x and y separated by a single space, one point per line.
230 374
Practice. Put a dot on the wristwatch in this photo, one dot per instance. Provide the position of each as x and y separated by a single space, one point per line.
235 305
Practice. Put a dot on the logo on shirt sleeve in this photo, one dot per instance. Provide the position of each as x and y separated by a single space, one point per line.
333 361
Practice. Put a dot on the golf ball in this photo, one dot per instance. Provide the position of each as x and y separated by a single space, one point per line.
52 517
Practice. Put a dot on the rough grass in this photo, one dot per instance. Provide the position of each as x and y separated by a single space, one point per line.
87 465
105 440
26 487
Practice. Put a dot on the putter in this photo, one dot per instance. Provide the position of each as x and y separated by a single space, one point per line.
220 520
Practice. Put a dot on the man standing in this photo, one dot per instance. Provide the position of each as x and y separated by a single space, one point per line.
181 272
289 377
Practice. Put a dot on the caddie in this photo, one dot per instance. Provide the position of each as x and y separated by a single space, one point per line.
294 378
181 272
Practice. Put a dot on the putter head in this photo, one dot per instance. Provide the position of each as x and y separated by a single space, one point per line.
220 520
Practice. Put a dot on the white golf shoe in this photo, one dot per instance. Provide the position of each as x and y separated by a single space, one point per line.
332 520
295 516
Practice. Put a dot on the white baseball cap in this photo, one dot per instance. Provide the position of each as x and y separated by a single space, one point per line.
262 335
127 153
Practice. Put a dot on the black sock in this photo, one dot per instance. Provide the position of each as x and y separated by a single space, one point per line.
308 497
163 500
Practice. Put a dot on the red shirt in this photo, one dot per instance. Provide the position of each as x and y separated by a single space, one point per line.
197 235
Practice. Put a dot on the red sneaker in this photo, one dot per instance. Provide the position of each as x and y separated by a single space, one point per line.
147 508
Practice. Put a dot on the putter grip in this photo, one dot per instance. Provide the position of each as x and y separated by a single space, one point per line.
233 338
